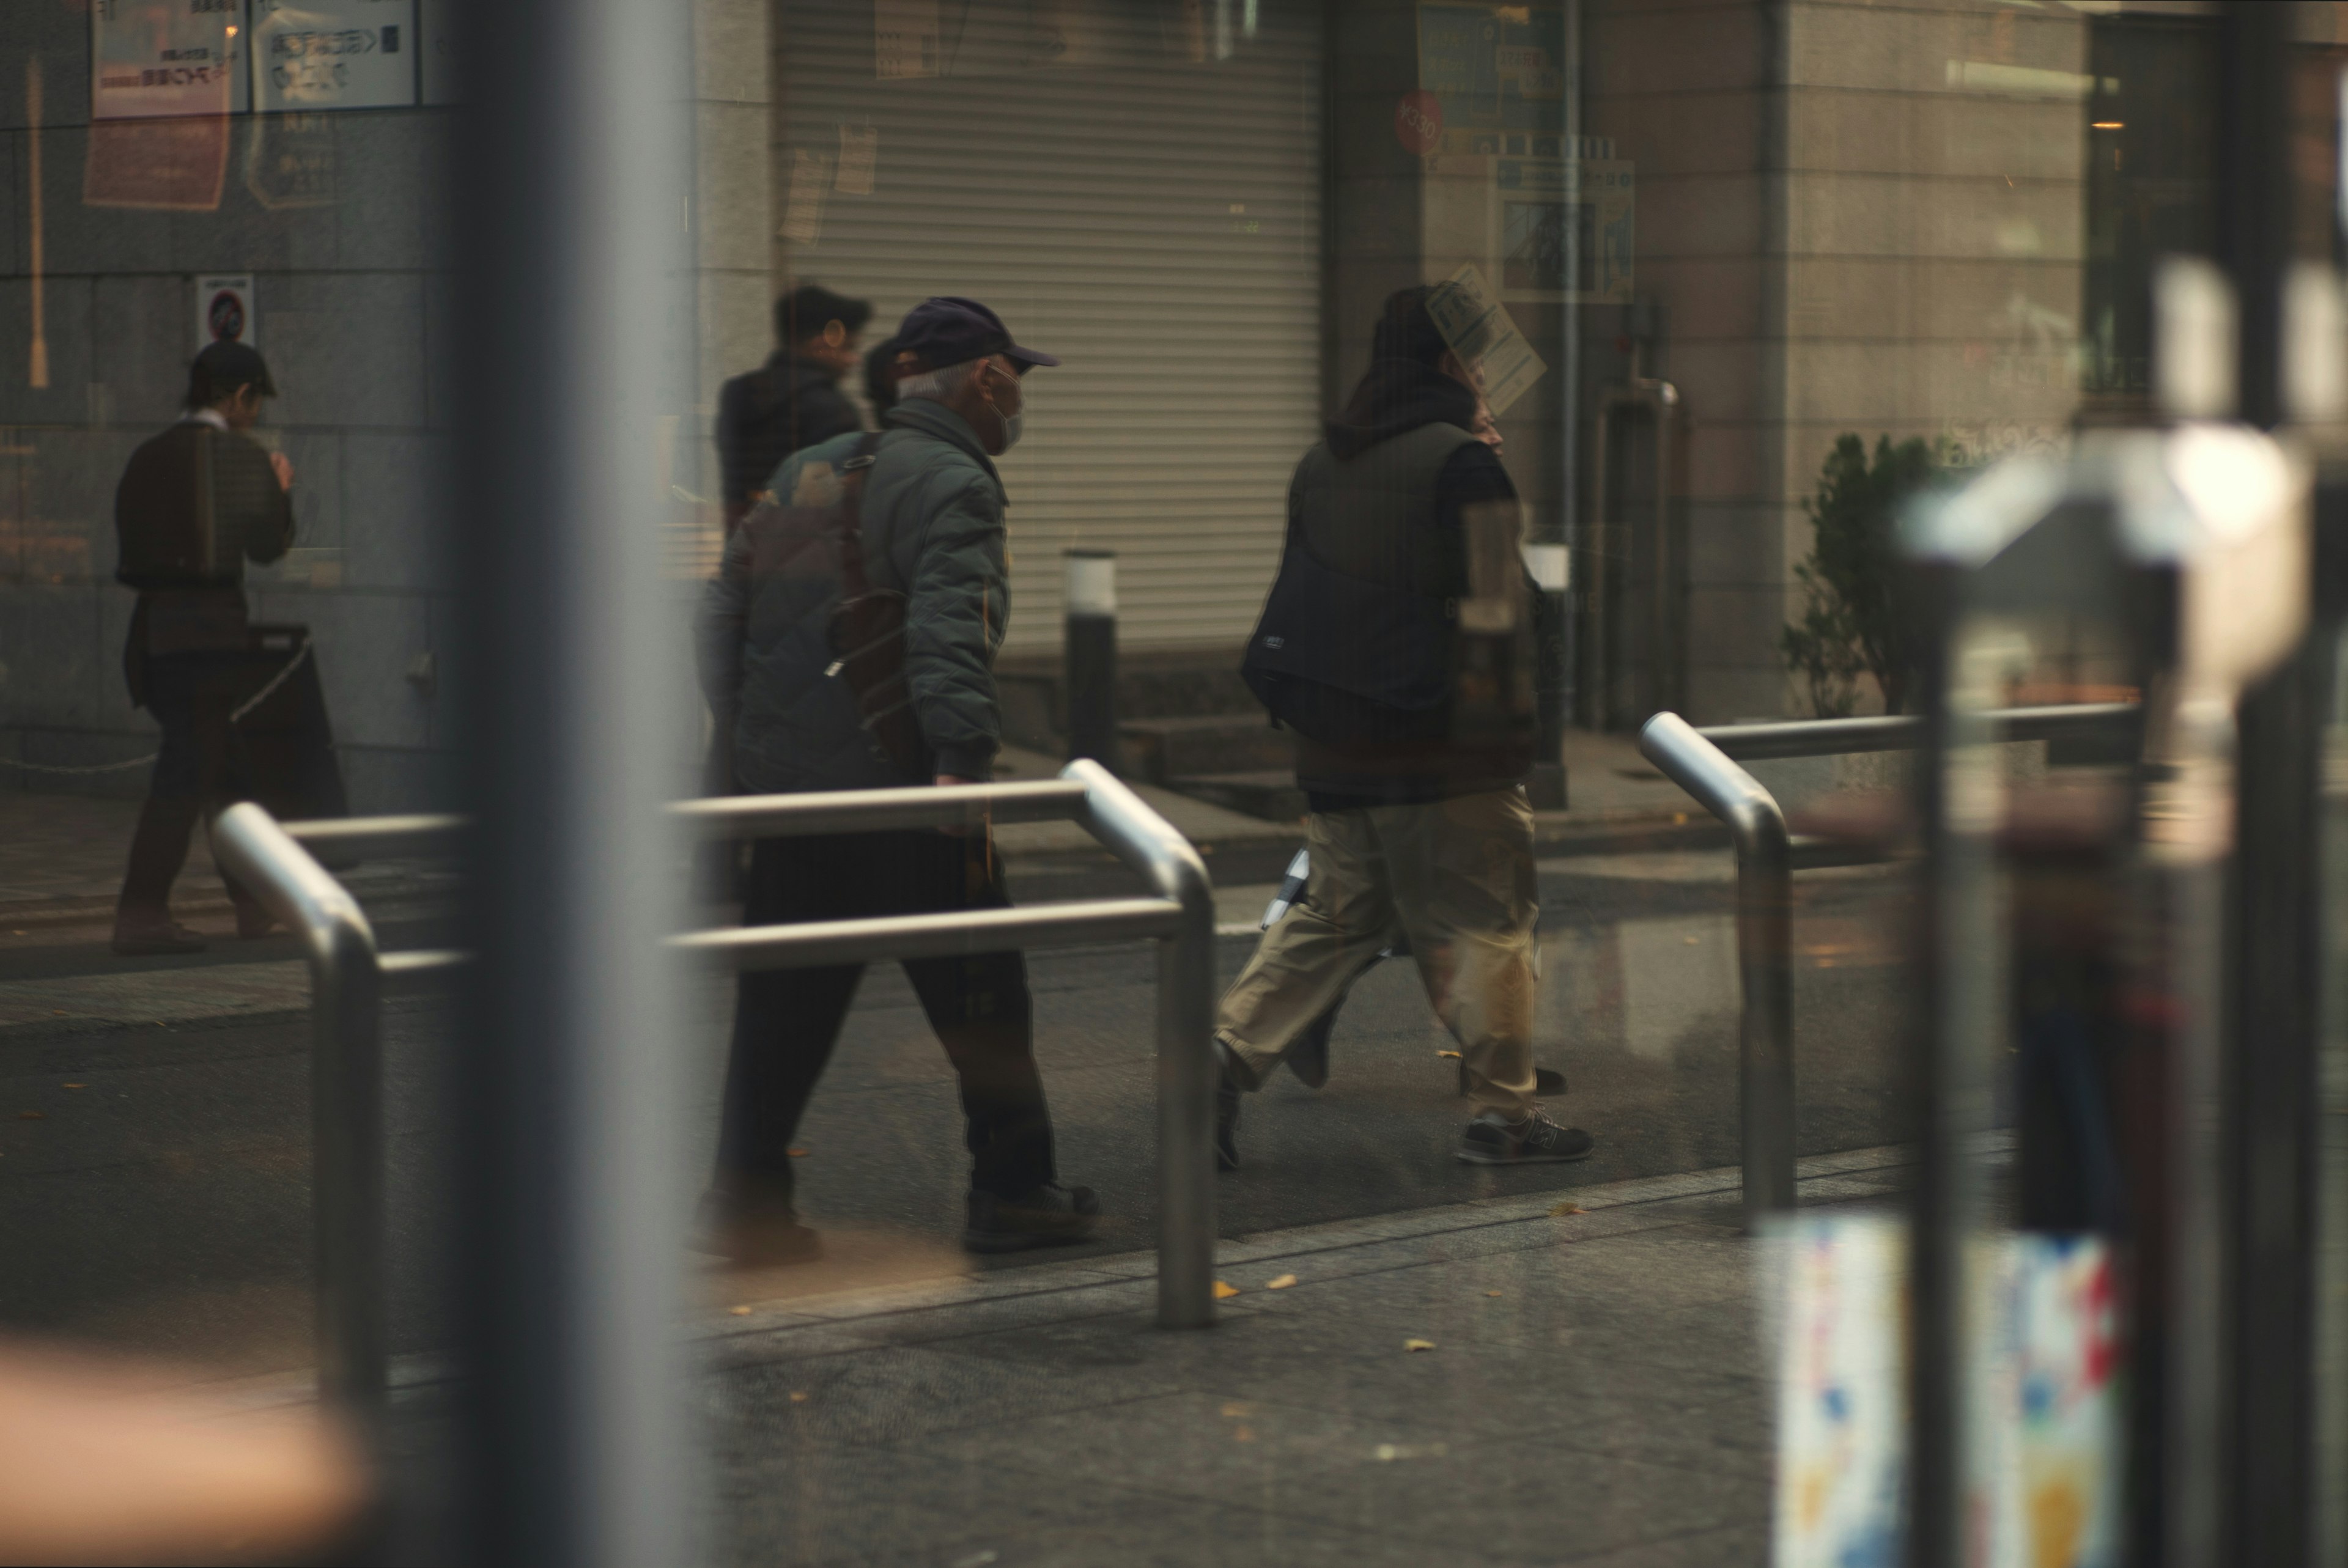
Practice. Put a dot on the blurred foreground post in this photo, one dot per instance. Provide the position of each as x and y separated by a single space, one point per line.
570 239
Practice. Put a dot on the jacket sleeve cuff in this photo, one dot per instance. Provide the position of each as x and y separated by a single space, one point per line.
967 761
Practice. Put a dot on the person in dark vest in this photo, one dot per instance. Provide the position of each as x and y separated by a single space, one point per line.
932 528
195 503
1397 643
794 399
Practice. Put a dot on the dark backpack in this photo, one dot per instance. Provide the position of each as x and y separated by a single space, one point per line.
865 625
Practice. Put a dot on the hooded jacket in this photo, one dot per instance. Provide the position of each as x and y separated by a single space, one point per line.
932 529
1360 648
766 416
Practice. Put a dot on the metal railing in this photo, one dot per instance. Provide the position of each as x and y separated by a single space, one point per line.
1704 764
349 973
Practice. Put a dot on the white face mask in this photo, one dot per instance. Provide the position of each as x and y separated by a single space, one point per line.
1012 422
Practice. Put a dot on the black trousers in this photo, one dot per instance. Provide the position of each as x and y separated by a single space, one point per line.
201 769
785 1021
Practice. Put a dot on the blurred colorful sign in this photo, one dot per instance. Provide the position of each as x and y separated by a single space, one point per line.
224 310
2044 1476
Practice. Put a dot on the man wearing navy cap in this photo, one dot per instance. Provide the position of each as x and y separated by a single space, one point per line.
932 529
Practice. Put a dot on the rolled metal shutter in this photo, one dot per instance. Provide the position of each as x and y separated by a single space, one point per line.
1152 218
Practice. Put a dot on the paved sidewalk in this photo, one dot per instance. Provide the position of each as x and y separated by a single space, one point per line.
1590 1390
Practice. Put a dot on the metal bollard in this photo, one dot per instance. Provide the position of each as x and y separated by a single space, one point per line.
1090 668
1550 565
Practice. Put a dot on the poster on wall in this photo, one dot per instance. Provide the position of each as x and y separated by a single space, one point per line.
1547 205
332 54
1497 73
153 59
224 310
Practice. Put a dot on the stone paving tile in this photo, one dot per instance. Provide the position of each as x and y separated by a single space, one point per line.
1550 1397
839 1504
1738 1546
780 1413
1181 1534
1251 1452
1241 1345
1520 1499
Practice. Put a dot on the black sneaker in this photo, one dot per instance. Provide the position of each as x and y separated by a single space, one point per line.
1051 1215
1534 1141
1308 1057
1227 1122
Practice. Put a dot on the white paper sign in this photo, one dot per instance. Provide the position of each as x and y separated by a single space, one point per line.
1480 330
155 57
224 310
332 54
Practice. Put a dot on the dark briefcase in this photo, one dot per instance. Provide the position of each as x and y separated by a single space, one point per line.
289 744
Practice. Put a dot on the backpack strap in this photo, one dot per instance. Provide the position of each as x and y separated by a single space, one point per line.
855 581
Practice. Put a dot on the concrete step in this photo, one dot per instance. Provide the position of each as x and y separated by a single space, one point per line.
1267 793
1164 749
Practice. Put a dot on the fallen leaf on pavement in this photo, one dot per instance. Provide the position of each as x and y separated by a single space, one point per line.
1690 941
1452 1054
1283 1283
1225 1292
77 1086
1491 1292
799 1397
1562 1209
32 1115
798 1154
1415 1345
739 1311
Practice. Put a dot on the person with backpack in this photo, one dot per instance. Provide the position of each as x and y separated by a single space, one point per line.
1398 643
794 399
849 639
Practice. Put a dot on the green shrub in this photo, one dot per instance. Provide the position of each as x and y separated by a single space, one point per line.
1858 620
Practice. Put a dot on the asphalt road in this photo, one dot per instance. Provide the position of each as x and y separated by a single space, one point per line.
153 1179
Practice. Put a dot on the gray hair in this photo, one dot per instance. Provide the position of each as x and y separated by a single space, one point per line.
937 385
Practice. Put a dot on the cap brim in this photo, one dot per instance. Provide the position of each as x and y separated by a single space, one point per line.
1028 356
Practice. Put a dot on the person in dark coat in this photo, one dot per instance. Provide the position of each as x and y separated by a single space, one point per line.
932 522
195 503
1396 642
793 400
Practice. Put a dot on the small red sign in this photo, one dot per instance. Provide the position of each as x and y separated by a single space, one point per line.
1418 122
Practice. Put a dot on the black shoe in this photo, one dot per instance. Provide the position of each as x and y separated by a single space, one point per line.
1051 1215
754 1229
1308 1057
147 939
1548 1082
1534 1141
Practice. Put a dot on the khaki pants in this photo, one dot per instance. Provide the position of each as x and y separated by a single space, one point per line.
1457 875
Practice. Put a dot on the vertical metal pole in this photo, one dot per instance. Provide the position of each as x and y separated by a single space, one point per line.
2270 1051
1089 655
1663 644
1185 1123
1765 965
347 1156
571 319
1960 1021
1595 689
1186 1031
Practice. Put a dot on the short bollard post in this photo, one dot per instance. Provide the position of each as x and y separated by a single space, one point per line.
1550 567
1091 656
